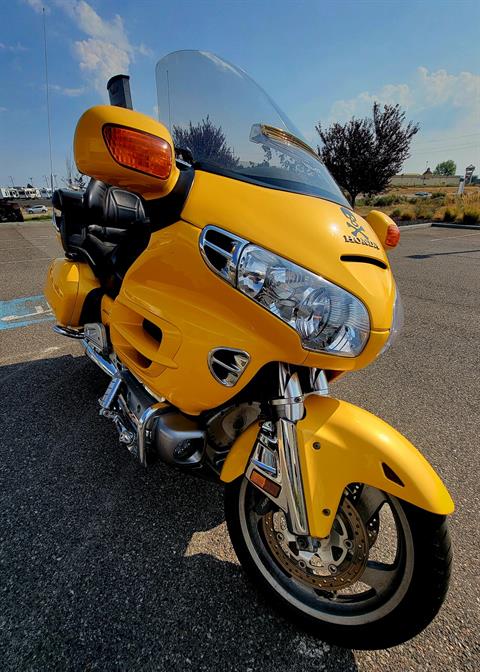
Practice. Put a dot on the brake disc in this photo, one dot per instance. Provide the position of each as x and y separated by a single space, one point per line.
333 563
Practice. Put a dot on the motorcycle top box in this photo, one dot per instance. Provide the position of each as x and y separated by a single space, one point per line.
216 273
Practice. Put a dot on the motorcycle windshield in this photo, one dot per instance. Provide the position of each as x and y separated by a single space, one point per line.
227 124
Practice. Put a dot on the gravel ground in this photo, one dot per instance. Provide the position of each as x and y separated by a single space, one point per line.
105 566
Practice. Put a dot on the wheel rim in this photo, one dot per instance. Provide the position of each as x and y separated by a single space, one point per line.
374 582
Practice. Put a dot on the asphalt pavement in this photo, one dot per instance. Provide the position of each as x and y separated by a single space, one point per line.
105 566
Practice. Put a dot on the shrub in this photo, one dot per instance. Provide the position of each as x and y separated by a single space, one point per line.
388 199
471 217
396 212
423 210
406 216
413 200
449 215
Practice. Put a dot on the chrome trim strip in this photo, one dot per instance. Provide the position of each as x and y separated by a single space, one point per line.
264 467
237 371
143 429
70 332
106 366
230 273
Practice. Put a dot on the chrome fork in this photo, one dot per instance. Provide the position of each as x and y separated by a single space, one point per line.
275 455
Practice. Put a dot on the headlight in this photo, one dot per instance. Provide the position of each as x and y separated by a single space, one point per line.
327 318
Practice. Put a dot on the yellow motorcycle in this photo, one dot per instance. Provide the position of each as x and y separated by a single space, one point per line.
216 273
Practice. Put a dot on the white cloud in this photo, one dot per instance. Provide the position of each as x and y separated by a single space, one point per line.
363 102
66 91
428 89
427 93
143 50
105 52
13 48
440 88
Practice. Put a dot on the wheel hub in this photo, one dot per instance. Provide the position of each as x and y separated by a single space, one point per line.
327 564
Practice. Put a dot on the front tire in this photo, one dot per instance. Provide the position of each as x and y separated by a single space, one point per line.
383 604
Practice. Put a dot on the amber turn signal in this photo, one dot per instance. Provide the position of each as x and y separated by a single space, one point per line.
393 235
265 483
139 151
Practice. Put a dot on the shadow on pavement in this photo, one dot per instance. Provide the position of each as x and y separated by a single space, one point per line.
438 254
106 566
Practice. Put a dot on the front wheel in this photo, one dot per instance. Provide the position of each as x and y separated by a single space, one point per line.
376 581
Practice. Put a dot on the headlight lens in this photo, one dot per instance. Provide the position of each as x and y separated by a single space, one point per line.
327 318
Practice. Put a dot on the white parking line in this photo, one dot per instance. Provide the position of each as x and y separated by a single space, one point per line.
36 354
464 235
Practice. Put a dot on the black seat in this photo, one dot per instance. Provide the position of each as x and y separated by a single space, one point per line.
106 227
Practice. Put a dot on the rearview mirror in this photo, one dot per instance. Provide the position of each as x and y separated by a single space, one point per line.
126 149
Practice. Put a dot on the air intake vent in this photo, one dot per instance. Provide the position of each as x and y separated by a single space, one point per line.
221 251
362 259
227 365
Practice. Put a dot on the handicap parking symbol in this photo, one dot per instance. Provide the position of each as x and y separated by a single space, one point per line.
24 312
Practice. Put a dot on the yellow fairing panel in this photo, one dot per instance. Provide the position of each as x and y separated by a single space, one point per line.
66 288
355 447
312 232
171 287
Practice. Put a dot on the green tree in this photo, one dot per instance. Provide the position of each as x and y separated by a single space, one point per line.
446 168
364 154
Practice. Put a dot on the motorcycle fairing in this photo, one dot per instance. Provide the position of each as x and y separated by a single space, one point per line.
310 231
170 286
355 447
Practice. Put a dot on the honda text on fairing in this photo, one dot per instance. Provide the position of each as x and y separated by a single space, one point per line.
216 273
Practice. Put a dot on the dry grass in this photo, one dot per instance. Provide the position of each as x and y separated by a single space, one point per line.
443 206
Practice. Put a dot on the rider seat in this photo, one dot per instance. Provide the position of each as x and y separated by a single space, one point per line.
106 227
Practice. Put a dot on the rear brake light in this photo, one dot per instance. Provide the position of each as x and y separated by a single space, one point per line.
393 235
138 150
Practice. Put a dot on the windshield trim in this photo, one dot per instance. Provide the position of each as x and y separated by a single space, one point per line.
325 195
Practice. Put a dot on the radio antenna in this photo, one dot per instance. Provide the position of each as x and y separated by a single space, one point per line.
48 98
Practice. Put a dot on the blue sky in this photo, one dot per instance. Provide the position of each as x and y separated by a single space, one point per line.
319 60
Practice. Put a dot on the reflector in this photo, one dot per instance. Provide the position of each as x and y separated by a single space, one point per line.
393 235
265 483
138 150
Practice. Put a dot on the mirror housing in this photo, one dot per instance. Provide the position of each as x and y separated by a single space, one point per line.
386 229
126 149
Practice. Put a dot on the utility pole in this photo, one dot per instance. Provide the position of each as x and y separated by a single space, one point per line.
48 98
11 180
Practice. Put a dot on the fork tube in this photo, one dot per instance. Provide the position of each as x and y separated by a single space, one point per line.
289 408
290 466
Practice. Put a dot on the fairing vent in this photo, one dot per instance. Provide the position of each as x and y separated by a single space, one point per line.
361 259
220 251
227 365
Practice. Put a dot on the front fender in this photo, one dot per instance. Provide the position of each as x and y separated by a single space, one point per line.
355 447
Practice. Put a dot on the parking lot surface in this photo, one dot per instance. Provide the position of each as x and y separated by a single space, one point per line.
106 566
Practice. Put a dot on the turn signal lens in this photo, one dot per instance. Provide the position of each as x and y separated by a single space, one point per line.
393 235
265 484
138 150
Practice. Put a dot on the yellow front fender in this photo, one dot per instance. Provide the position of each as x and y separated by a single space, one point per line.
341 444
